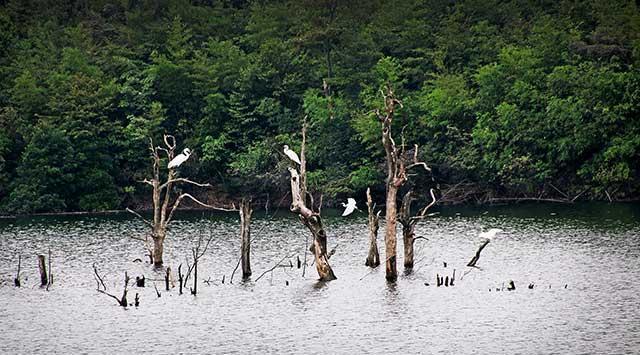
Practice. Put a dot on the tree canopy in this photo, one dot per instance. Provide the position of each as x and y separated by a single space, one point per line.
509 96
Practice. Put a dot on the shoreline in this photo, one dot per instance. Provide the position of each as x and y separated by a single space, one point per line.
494 202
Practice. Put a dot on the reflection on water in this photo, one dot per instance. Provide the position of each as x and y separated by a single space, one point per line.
592 249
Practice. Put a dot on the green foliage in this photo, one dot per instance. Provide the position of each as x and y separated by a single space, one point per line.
511 96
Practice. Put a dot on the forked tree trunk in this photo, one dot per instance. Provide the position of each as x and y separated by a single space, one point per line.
310 219
373 258
165 206
313 222
397 167
245 233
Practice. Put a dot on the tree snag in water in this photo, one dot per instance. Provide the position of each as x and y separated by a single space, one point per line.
309 218
122 301
164 205
373 259
245 235
42 266
397 167
475 258
409 225
16 281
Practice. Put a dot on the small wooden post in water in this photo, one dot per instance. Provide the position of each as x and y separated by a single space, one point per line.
16 281
44 279
50 270
245 235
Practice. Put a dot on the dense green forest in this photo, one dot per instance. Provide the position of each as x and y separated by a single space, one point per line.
505 98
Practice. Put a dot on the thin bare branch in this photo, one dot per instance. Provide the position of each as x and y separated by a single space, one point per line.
177 203
173 181
140 216
274 267
422 164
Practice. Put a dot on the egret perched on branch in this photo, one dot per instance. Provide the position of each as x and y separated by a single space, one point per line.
350 206
181 158
291 154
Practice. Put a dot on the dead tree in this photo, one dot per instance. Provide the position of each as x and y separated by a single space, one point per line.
397 168
245 235
164 204
196 252
373 259
309 218
122 301
409 225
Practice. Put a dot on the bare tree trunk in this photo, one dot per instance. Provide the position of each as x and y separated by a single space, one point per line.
407 230
245 233
44 279
165 206
310 219
314 223
390 234
397 166
373 258
194 290
158 247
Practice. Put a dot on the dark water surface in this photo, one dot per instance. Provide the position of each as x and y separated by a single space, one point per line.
593 249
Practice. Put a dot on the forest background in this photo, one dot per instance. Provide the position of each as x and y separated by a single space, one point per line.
506 99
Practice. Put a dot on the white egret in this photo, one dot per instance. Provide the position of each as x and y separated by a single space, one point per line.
490 234
181 158
291 154
350 206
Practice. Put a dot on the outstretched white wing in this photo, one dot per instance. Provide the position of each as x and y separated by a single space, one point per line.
351 206
490 234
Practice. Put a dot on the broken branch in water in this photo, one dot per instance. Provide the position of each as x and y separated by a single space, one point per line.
475 258
274 267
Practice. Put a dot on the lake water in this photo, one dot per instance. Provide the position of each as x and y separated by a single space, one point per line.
593 249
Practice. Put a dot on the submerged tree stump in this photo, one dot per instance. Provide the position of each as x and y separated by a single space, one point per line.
373 258
42 266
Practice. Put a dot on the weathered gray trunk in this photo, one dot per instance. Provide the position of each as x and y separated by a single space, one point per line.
408 230
390 233
313 222
158 247
408 239
245 233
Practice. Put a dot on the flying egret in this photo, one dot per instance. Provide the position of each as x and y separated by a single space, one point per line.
181 158
490 234
350 206
291 154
